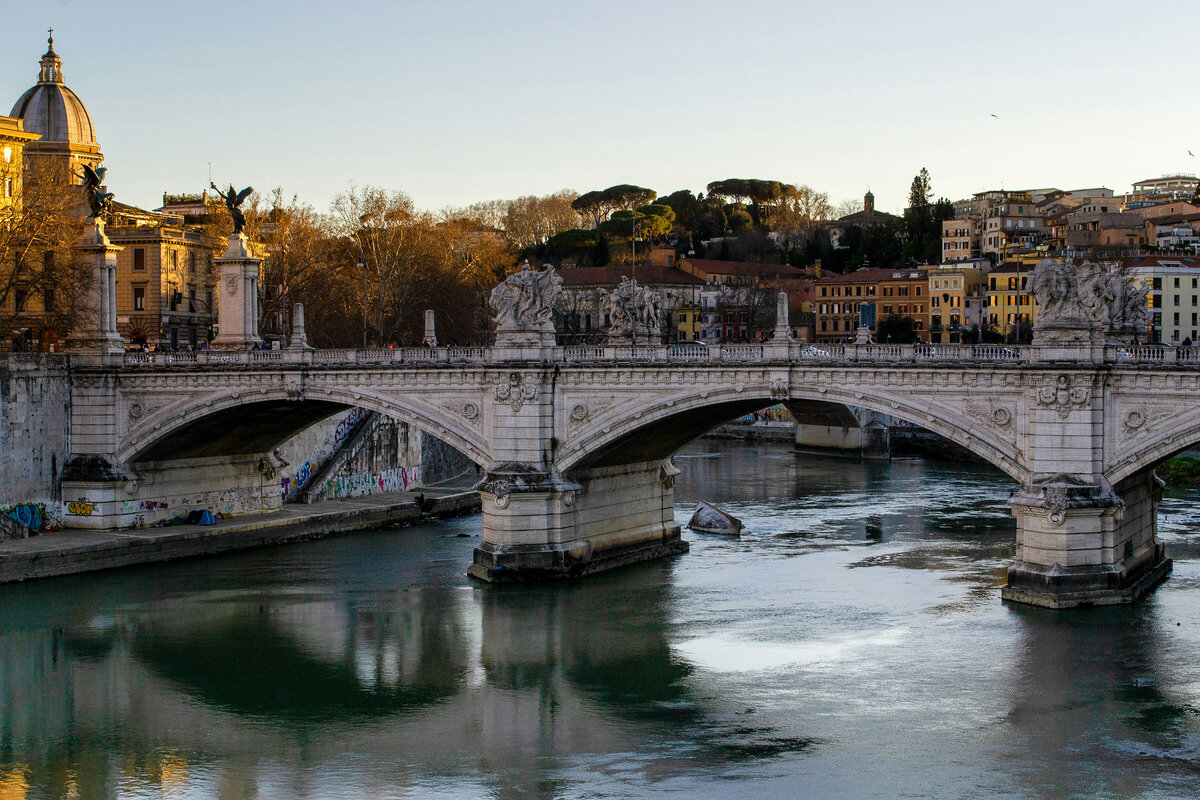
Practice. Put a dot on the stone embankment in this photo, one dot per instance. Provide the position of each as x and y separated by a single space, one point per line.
770 432
73 551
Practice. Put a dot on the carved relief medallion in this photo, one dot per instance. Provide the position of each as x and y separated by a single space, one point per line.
1063 397
516 389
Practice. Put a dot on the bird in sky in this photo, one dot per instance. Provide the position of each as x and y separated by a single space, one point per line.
1190 153
994 116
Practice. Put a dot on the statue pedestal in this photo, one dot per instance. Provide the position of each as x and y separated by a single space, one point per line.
94 332
1069 340
524 345
237 302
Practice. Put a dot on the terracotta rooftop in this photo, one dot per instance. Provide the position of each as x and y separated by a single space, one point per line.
718 267
611 276
875 275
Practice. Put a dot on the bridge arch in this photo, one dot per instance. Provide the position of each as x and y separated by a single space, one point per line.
659 427
1180 432
178 426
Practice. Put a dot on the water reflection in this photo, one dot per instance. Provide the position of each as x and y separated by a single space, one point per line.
852 644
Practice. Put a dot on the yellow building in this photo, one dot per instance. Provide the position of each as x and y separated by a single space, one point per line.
166 280
13 139
1009 299
688 322
951 292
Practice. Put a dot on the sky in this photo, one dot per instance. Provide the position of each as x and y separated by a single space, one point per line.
454 102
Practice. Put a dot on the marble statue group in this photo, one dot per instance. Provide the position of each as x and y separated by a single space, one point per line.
1087 294
525 300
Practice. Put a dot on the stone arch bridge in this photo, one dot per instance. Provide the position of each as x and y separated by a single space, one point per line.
577 441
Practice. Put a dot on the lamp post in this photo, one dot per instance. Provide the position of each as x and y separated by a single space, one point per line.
364 272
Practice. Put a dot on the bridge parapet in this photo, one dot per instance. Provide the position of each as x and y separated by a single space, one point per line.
880 354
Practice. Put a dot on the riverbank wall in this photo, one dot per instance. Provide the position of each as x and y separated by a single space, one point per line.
75 551
35 443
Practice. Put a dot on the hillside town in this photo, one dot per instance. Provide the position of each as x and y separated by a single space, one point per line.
939 271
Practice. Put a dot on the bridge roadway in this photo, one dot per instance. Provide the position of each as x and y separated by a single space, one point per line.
577 441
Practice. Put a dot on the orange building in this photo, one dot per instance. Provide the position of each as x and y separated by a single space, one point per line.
839 300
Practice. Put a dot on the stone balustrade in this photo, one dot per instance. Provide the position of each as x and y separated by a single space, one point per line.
691 353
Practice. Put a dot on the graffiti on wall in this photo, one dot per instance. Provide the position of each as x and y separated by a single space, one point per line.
32 515
397 479
291 485
137 506
81 507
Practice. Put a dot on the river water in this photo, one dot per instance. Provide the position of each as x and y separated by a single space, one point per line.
851 645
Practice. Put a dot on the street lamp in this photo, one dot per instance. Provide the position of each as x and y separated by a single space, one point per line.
364 272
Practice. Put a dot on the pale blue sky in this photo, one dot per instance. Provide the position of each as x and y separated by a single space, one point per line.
454 102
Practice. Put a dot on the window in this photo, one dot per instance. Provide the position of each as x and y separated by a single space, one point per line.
139 297
1176 321
192 300
1177 283
8 155
9 191
22 297
1176 298
139 259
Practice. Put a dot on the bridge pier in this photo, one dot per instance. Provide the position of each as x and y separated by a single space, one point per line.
1081 544
537 526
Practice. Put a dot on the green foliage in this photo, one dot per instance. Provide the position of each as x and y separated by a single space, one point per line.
626 196
740 220
895 329
920 191
754 191
1181 471
649 222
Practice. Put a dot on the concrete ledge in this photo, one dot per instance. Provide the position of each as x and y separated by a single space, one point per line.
73 552
1075 588
549 563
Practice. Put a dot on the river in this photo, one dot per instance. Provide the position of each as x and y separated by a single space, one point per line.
852 644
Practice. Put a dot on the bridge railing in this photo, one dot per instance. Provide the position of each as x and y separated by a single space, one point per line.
1151 354
678 353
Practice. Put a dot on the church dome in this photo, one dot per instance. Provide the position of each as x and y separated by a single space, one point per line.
53 110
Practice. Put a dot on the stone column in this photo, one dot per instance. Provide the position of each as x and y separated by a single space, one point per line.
94 332
777 348
1080 545
299 338
539 524
237 302
430 339
1080 541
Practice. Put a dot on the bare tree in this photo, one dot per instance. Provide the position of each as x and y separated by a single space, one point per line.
391 246
532 220
296 254
797 213
40 271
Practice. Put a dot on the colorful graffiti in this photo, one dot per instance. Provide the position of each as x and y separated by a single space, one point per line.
291 485
136 506
365 483
31 515
81 508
